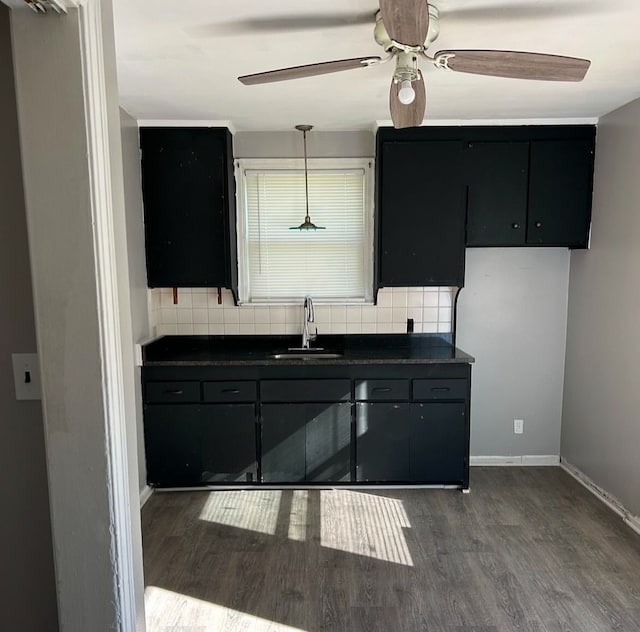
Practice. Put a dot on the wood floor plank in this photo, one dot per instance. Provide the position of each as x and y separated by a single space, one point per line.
529 550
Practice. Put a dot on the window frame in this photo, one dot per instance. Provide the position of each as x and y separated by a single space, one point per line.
287 164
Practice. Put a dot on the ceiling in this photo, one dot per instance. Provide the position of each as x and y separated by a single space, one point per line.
179 60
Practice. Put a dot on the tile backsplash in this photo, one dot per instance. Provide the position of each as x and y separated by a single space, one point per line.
198 312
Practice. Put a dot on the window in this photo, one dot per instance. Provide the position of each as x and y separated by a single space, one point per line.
279 265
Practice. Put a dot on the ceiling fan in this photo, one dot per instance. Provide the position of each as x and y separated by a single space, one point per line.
405 29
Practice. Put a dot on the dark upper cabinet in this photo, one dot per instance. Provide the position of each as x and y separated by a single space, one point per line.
189 207
529 186
497 181
441 188
420 212
560 189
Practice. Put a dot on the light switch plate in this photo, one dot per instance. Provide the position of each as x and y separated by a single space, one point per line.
26 375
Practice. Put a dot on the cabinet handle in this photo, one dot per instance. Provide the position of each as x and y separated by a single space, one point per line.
440 389
538 224
515 225
382 389
176 392
235 391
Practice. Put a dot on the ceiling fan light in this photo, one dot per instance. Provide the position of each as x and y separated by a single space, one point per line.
406 94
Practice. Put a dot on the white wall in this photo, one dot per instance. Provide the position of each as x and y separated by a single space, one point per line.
26 571
97 546
512 316
601 416
139 295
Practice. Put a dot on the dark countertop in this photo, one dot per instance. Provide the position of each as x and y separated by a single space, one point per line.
259 350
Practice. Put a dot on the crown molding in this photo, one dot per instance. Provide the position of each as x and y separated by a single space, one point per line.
187 123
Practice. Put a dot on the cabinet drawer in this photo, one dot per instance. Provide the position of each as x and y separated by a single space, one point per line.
229 391
305 390
171 392
439 389
389 390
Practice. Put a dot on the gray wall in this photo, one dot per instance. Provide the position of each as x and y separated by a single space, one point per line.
28 598
137 266
601 416
289 144
512 316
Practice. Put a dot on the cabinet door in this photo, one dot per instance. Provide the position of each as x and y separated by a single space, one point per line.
229 443
421 213
382 442
560 190
184 182
306 442
172 443
497 180
439 441
283 443
328 442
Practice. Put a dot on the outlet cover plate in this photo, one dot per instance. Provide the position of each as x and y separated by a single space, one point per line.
518 426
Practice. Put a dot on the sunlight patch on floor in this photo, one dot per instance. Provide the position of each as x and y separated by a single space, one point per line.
351 521
364 524
255 510
298 517
167 610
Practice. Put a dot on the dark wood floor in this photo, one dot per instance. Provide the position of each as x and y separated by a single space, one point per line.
528 550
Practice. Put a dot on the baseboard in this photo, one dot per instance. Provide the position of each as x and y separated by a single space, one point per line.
145 493
541 460
530 460
610 501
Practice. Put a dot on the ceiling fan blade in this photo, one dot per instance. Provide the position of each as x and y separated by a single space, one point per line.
408 115
406 21
309 70
536 9
513 64
272 24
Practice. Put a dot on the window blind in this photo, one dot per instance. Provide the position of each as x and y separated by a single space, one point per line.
286 264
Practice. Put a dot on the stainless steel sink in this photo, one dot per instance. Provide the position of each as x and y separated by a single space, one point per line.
306 354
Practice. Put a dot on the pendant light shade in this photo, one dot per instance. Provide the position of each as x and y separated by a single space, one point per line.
307 224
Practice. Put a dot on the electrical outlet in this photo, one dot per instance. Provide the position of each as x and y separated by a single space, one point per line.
518 426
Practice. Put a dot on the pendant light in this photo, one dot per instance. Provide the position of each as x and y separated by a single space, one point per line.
307 224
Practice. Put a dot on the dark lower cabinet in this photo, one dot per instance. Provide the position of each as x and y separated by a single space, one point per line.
228 443
438 447
191 445
172 440
283 443
306 442
411 442
305 425
383 432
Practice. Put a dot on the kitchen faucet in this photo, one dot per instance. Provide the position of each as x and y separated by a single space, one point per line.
309 317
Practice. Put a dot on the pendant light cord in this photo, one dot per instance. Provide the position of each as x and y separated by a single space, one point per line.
306 176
